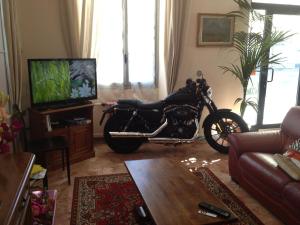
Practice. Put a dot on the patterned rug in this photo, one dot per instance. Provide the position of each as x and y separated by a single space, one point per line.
112 199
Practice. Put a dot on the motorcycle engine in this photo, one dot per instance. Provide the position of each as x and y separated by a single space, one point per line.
181 121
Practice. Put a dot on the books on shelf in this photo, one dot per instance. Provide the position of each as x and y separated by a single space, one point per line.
61 123
48 123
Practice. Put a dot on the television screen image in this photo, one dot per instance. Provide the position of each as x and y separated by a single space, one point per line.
62 80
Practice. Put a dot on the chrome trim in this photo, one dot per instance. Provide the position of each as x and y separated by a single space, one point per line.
209 93
138 134
207 99
177 140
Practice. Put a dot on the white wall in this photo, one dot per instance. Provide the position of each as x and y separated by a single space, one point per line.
207 58
40 34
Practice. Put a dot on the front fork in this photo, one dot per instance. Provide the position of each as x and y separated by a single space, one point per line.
212 108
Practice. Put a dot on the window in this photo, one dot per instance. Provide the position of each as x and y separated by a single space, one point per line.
124 41
276 88
284 2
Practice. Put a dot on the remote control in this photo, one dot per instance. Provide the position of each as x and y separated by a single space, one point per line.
214 209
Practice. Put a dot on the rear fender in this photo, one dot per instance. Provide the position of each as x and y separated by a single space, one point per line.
121 108
109 110
215 114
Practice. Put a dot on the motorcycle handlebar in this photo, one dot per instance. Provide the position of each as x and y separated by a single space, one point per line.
188 82
201 82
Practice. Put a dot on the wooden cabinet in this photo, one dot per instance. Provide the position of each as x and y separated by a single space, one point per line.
81 141
74 123
15 204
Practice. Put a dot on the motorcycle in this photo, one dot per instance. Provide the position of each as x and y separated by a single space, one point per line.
174 120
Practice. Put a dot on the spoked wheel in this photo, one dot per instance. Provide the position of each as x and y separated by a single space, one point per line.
120 145
217 127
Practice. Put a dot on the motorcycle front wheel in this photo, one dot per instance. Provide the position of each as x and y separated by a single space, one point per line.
218 126
120 145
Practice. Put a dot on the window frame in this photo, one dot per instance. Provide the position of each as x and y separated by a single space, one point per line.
277 8
270 9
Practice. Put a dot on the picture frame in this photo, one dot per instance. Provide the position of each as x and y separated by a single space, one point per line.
215 30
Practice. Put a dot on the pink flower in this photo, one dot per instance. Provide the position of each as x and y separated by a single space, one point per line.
16 125
4 126
7 133
4 147
36 209
7 136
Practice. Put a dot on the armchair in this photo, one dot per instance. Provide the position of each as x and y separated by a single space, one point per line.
252 166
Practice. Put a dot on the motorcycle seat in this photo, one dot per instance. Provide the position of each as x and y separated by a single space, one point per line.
140 105
130 102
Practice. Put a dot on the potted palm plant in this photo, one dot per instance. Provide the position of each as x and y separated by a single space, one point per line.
253 49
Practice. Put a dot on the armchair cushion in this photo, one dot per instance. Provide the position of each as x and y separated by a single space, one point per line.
252 165
265 142
262 168
292 195
290 124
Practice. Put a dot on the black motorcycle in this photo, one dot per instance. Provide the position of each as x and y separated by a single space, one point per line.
174 120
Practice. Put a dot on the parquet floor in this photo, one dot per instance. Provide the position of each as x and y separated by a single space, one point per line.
108 162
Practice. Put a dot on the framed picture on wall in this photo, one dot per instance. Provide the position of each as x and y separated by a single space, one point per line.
215 29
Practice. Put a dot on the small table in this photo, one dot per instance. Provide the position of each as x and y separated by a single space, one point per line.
15 198
172 193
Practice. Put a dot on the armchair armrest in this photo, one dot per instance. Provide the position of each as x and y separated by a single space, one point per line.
265 142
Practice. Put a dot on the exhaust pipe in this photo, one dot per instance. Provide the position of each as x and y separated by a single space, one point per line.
177 140
139 134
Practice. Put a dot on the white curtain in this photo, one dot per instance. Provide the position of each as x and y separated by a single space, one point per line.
108 45
176 15
80 24
16 76
77 22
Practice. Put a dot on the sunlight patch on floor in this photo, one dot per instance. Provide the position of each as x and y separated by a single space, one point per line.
193 163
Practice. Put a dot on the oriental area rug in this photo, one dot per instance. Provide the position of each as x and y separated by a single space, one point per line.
112 200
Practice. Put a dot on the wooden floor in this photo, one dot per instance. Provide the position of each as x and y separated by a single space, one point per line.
107 162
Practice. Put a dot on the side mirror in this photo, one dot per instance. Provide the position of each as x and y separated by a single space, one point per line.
199 74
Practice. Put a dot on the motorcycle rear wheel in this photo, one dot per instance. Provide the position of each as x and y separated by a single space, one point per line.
217 128
120 145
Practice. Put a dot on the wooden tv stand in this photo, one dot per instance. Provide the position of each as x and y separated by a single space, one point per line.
63 122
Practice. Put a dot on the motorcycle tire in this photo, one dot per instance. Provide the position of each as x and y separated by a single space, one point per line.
215 136
120 145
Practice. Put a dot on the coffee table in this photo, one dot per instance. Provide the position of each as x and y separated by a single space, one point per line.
172 193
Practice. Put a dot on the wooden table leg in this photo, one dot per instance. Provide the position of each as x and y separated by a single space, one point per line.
68 165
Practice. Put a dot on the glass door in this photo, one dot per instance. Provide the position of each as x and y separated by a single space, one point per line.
276 89
282 82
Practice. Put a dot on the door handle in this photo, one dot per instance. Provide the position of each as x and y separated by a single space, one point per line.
125 58
272 75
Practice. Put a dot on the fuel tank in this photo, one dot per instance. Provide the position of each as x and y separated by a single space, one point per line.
182 96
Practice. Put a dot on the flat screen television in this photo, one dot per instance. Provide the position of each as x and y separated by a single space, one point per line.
56 82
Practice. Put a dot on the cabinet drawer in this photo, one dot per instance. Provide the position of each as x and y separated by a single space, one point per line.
80 139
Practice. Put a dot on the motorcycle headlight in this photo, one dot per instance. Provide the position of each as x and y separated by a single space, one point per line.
209 92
